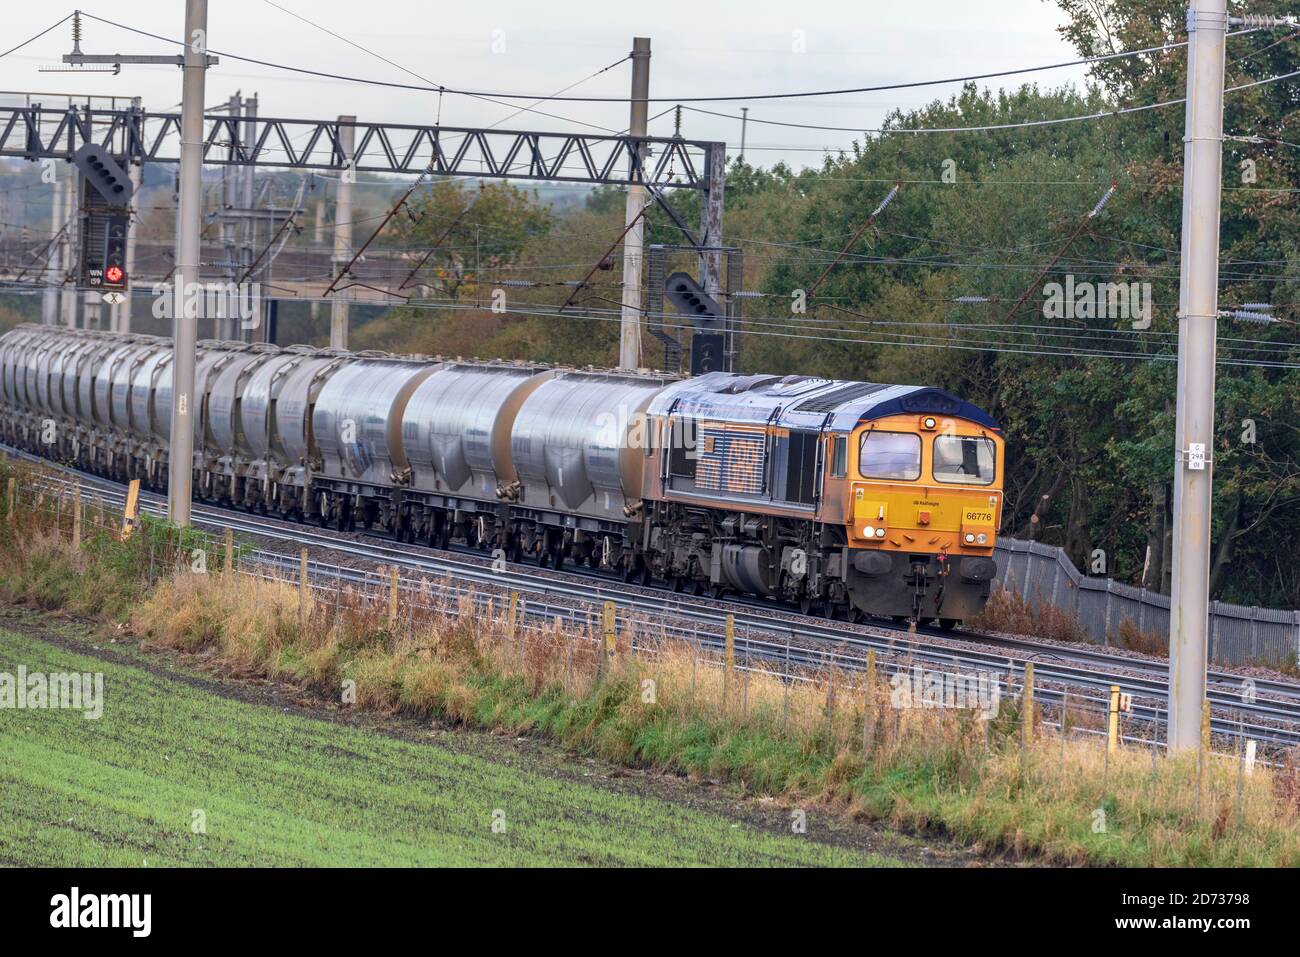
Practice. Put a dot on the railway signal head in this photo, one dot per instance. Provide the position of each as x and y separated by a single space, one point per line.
690 299
104 174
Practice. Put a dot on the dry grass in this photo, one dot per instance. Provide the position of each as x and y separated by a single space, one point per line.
1010 613
1130 636
828 738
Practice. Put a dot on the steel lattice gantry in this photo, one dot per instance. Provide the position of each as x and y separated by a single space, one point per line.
33 133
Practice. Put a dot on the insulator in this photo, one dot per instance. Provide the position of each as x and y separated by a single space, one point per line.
971 299
1258 306
889 198
1101 203
1255 318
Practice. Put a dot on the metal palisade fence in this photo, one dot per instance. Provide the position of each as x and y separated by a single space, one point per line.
1043 574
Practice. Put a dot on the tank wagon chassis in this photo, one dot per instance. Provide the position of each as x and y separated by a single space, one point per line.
760 485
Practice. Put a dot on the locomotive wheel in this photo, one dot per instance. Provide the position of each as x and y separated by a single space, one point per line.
805 605
678 583
948 624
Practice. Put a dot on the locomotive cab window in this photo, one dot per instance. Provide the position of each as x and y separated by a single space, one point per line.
964 460
890 455
839 456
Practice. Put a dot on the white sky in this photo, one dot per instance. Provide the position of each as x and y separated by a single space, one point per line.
699 47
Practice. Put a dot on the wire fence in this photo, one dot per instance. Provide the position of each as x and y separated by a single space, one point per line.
725 662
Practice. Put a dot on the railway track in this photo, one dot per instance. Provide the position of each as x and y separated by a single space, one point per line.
770 635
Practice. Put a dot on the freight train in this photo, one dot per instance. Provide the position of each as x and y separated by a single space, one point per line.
844 498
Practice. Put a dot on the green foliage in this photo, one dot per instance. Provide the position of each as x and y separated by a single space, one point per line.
997 214
470 229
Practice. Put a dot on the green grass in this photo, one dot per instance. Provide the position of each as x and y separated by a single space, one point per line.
284 789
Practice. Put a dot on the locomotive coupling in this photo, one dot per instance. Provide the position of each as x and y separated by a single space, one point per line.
509 492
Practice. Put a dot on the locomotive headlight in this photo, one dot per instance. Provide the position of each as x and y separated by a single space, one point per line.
981 538
868 531
929 422
970 538
880 533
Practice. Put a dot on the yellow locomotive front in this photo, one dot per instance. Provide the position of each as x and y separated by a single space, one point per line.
922 500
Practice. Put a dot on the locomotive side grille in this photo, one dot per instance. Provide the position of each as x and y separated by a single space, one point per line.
732 459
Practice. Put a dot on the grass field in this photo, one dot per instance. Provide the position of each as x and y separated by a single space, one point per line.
279 788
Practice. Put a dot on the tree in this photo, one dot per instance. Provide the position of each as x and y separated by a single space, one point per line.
468 232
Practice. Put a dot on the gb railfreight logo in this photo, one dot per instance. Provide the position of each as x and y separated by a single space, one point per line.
133 911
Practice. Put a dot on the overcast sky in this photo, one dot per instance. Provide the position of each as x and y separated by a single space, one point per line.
700 47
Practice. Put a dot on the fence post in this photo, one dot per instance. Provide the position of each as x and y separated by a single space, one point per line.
868 702
730 660
1027 704
11 512
1205 725
1112 724
610 643
76 516
392 595
302 582
1213 651
512 612
1106 627
230 551
1296 617
131 511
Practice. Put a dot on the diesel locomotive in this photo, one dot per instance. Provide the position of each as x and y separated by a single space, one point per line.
847 498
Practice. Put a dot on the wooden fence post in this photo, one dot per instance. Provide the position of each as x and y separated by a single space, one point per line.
1112 724
76 517
610 643
730 660
512 613
11 512
302 582
868 718
1205 725
393 580
1027 704
130 512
